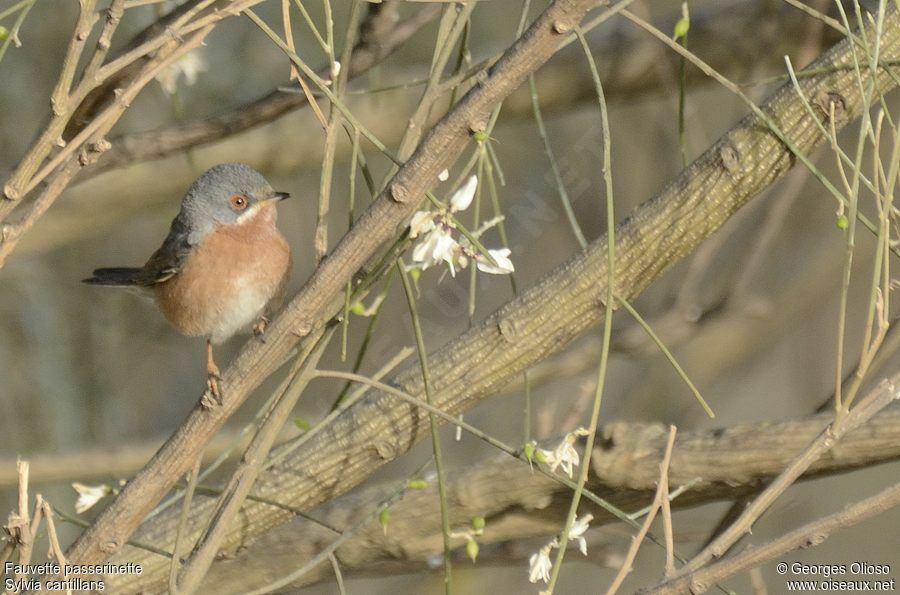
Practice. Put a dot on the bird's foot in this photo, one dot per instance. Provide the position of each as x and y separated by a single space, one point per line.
259 329
212 398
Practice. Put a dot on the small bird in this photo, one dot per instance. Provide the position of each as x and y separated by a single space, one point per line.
224 266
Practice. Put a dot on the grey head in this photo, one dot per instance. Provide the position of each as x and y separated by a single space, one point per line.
221 196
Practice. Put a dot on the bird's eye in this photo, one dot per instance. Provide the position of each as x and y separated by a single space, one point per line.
238 202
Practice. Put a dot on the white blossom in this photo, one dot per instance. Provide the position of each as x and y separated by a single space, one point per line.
189 66
462 198
422 222
423 251
564 455
539 565
504 265
446 249
88 496
438 246
440 240
444 175
335 69
576 533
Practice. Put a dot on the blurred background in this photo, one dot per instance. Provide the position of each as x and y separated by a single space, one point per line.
752 316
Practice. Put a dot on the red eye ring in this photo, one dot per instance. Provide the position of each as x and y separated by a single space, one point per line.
238 202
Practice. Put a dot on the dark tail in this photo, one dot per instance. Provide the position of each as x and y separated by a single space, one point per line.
119 276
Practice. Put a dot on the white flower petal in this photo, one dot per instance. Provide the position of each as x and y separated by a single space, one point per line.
564 456
539 565
579 526
444 175
462 198
576 533
444 247
422 222
504 265
423 251
88 496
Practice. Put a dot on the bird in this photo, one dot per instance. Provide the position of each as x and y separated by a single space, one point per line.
224 266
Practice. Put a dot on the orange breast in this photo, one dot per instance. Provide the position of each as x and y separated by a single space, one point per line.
229 279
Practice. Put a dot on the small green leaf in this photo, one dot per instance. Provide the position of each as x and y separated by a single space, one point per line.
4 33
301 423
478 523
539 457
384 517
415 274
417 484
842 221
681 28
358 309
480 136
472 549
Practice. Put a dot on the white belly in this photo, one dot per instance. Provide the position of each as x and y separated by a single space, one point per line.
242 311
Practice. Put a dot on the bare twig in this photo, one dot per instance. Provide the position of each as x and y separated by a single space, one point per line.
182 527
55 549
662 495
873 403
808 535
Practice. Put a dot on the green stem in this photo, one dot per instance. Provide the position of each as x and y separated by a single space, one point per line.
607 318
435 436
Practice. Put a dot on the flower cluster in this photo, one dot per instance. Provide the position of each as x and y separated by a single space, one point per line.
540 565
437 241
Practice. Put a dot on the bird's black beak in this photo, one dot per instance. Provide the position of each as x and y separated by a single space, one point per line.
278 196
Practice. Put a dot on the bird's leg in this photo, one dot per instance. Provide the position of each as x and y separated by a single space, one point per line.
259 329
212 378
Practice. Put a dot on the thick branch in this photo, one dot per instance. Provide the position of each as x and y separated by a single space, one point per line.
544 319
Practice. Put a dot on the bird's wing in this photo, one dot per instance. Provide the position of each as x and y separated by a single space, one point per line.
171 256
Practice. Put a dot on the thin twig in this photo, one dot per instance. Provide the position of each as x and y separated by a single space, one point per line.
606 168
668 354
832 434
808 535
182 526
435 436
335 565
662 495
